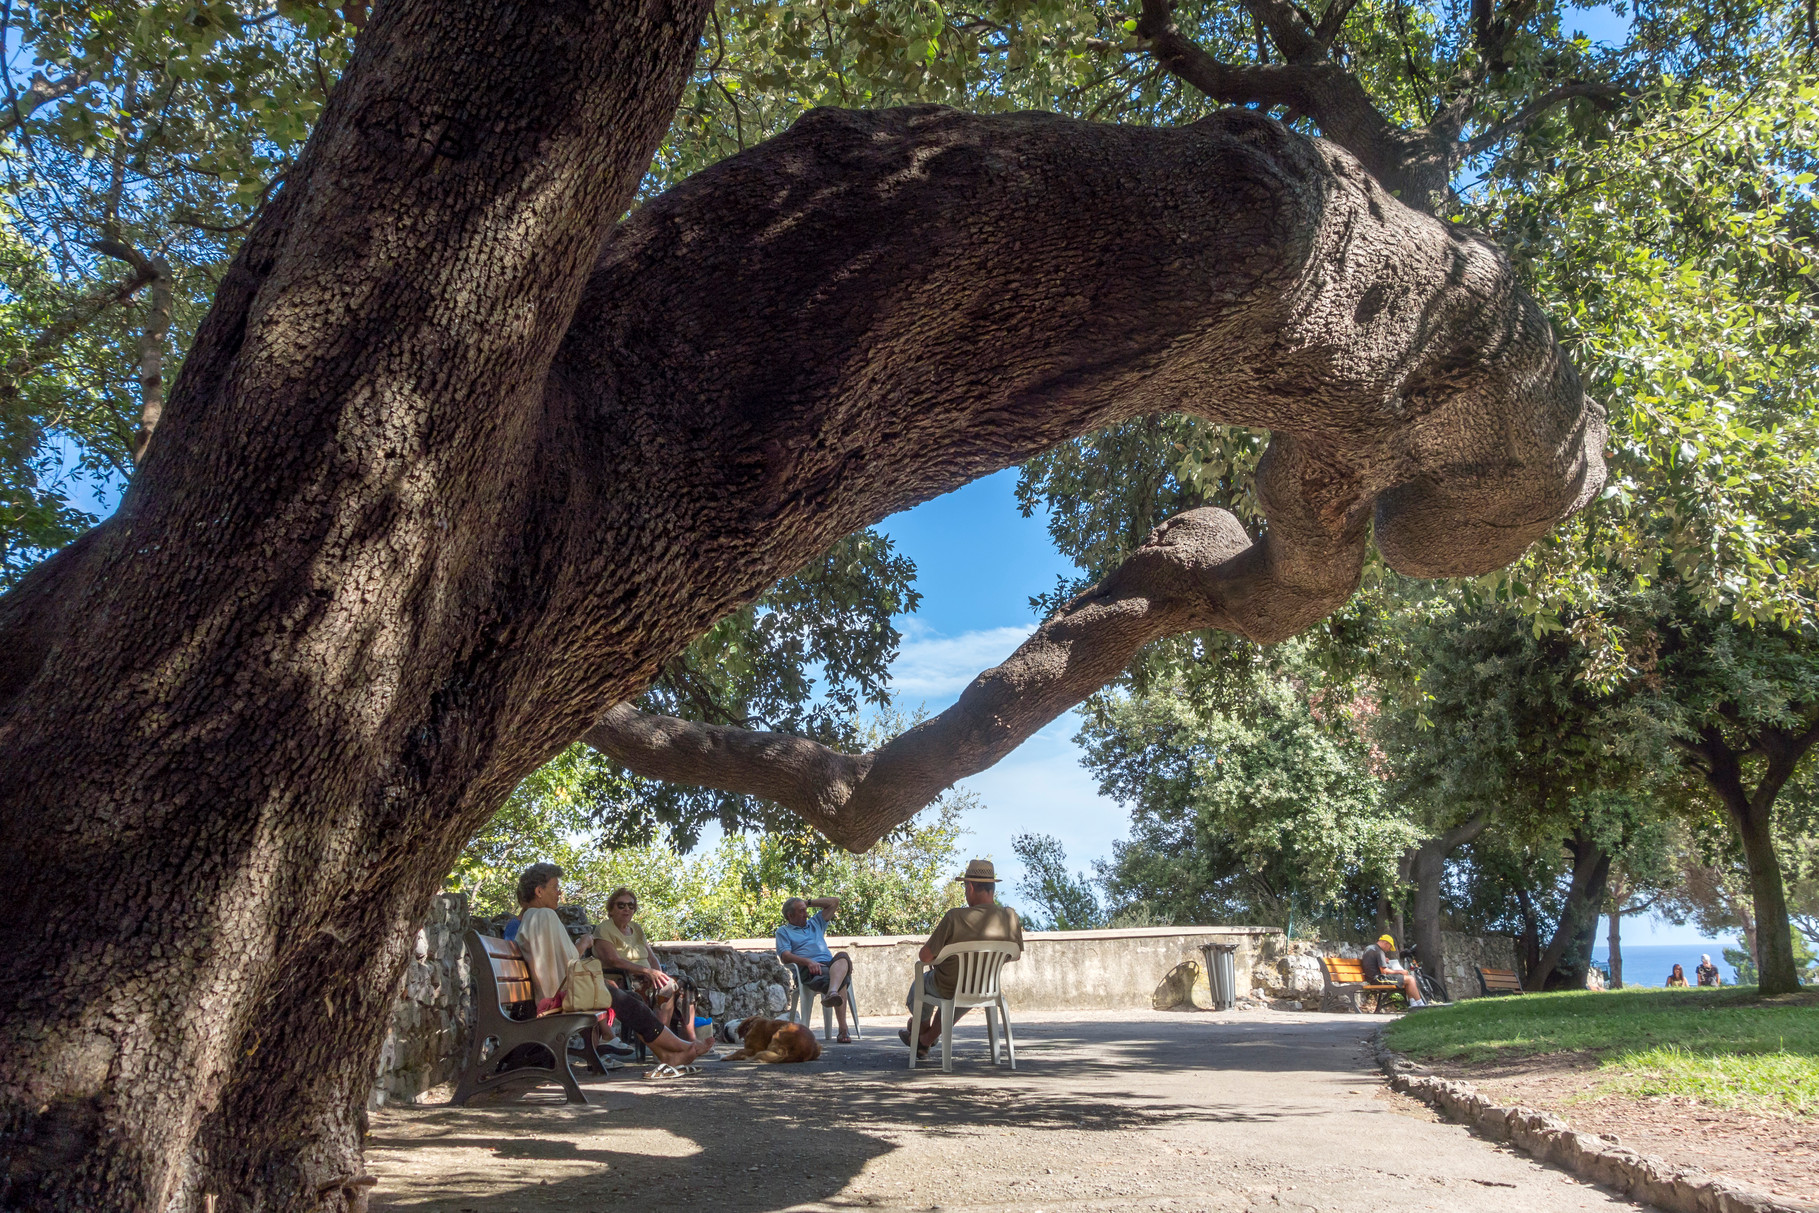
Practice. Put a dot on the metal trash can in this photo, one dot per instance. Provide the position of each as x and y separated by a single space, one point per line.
1222 974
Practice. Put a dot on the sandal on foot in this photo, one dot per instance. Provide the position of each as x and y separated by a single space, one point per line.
665 1071
843 1039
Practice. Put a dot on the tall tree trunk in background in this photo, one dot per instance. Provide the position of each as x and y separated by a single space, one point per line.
1426 871
1528 944
1616 946
1568 955
429 500
1752 815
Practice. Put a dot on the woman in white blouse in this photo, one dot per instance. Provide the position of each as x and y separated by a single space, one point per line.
549 952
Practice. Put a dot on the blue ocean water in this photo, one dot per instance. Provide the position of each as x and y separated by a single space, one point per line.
1648 964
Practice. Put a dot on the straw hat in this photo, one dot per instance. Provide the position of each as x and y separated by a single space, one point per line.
978 871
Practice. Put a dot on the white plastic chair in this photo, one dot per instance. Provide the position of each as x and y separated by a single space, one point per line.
802 1003
976 985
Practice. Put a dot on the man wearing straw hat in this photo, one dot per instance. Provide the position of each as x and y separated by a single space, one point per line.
981 918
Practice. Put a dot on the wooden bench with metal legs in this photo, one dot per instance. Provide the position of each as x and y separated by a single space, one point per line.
1346 977
505 1005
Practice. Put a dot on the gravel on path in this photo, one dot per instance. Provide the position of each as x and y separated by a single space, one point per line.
1144 1111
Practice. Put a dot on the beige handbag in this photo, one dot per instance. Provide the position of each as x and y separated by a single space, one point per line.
585 989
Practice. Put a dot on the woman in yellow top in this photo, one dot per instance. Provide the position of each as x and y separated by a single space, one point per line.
620 943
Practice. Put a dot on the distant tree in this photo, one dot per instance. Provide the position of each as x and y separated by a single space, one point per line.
1057 900
1503 728
1242 814
1747 704
735 889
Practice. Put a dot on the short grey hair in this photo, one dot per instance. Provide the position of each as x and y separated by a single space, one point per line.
793 902
534 878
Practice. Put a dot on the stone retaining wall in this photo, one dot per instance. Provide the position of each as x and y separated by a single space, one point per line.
1058 971
434 1014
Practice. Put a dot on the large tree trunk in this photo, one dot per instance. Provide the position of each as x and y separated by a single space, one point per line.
1426 871
391 547
1752 815
1568 955
249 722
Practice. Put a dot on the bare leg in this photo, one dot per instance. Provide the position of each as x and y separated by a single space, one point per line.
840 1014
673 1050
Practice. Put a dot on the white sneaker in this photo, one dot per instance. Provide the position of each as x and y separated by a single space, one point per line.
1416 1005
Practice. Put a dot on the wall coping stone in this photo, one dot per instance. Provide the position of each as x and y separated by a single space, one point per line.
863 941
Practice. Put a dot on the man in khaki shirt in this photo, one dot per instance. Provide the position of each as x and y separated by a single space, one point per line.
981 918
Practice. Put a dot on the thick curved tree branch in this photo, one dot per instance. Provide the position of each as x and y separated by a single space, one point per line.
853 206
1197 570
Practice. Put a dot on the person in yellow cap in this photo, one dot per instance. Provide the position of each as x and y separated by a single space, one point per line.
1380 965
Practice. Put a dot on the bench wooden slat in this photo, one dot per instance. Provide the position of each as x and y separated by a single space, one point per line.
1499 981
1343 972
505 1014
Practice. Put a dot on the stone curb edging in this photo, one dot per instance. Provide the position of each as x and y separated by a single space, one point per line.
1553 1141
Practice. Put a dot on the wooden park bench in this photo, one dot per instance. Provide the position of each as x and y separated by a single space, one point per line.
1347 977
1498 981
505 1013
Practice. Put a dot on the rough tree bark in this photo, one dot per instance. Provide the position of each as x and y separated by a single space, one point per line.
1752 814
249 720
1426 867
423 506
1578 923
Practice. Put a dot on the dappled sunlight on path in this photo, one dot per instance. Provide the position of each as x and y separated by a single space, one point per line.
1153 1111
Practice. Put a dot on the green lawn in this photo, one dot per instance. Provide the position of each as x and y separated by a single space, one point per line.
1725 1048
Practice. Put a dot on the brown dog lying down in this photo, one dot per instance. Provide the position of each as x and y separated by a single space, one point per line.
775 1040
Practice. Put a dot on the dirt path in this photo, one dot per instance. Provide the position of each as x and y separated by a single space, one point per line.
1256 1111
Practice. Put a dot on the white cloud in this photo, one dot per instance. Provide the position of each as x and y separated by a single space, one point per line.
934 667
1041 788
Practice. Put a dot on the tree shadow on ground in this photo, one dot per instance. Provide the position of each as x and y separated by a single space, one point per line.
749 1138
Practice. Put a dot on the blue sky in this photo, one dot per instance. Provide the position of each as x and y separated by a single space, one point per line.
977 563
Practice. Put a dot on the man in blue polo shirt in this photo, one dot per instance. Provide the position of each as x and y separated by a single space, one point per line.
802 940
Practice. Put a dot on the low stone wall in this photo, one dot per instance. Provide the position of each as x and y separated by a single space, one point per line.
1466 953
434 1014
1059 970
733 984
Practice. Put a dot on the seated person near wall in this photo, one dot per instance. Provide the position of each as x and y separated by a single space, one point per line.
620 943
1707 972
981 918
1381 967
549 952
802 940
